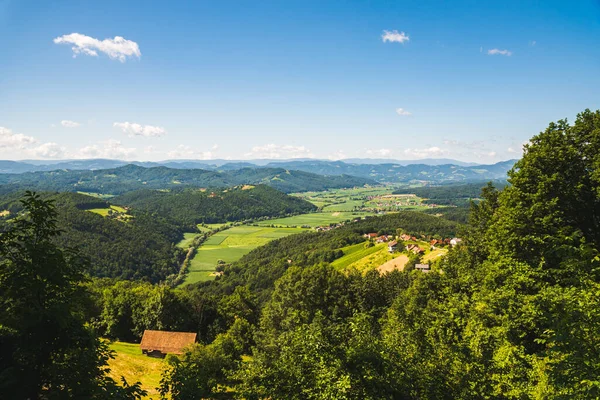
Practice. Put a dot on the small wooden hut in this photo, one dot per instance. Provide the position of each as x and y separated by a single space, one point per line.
161 343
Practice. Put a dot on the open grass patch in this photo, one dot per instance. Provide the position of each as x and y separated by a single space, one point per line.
353 254
230 246
134 366
216 239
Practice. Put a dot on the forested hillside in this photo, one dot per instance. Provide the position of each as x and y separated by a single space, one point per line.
131 177
189 207
139 248
510 313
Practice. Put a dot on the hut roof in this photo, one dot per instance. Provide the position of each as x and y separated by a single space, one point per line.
166 342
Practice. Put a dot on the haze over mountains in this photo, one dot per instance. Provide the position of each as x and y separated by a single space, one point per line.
15 167
115 176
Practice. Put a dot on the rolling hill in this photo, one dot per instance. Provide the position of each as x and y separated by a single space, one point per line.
132 177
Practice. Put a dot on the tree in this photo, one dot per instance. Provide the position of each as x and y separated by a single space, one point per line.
46 350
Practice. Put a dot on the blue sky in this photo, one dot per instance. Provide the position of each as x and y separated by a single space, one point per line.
473 80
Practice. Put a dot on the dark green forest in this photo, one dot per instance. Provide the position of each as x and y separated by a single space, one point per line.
510 313
190 207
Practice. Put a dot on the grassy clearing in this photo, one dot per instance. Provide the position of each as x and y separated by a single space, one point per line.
314 219
98 195
188 238
230 245
375 259
355 253
120 211
434 255
130 363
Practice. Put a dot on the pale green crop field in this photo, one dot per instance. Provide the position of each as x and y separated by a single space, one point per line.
187 240
104 211
314 219
230 245
355 254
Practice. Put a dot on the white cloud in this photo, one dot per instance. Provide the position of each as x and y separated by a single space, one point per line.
511 150
47 150
403 112
394 36
428 152
532 43
380 152
14 141
133 129
338 155
111 148
70 124
118 48
498 52
279 151
491 154
183 151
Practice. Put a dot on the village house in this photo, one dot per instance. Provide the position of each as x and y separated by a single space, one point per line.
382 239
423 267
404 237
161 343
415 249
370 235
392 246
455 241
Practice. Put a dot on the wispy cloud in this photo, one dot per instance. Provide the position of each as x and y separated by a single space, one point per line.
403 112
117 48
133 129
379 152
394 36
498 52
70 124
279 151
532 43
111 148
183 151
337 155
427 152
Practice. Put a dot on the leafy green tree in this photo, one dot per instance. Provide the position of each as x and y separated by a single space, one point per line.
46 350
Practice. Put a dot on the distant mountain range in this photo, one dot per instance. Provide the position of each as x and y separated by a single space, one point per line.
17 167
134 177
287 176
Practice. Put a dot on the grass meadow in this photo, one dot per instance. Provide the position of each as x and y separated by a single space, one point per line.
130 363
230 245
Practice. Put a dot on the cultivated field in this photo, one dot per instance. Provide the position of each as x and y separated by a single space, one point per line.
378 257
314 219
369 199
119 212
130 363
230 245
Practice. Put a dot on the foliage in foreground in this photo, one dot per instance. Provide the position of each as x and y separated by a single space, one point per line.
510 314
46 349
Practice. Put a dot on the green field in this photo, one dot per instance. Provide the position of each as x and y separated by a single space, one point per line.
314 219
230 245
188 238
359 257
364 199
120 211
98 195
130 363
